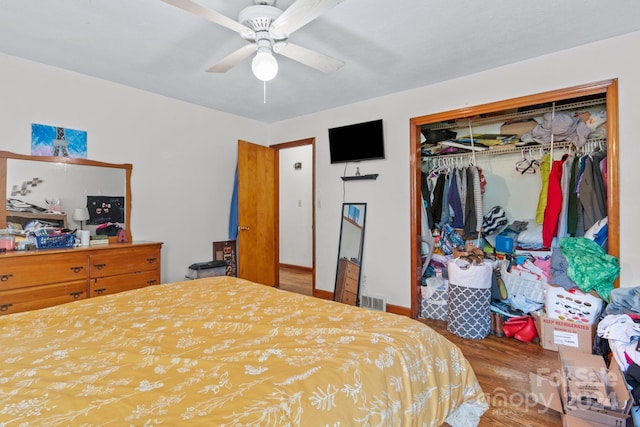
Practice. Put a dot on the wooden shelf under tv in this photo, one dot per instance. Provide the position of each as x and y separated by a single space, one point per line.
359 177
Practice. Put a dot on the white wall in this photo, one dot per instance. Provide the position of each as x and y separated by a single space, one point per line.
183 155
296 212
386 262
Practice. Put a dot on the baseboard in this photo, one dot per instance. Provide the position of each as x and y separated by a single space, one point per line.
319 293
297 267
395 309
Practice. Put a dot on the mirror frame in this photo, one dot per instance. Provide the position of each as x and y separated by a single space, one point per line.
357 222
6 155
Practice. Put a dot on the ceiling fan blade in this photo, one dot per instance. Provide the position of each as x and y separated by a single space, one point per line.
212 15
233 58
311 58
300 13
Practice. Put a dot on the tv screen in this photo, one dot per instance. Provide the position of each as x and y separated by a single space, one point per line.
353 143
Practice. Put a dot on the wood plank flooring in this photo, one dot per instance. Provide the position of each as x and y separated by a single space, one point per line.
502 366
295 280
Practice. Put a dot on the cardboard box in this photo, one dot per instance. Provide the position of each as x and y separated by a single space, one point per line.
551 391
555 332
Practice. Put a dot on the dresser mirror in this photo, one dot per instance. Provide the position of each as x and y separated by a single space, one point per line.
62 181
348 272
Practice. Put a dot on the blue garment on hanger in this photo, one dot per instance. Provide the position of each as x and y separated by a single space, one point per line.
233 212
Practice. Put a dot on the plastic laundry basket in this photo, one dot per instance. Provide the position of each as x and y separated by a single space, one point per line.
469 299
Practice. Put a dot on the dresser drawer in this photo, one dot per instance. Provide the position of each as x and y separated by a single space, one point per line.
113 262
18 272
351 285
349 298
124 282
34 297
352 271
144 258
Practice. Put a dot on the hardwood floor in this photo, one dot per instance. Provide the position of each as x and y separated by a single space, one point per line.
502 366
295 280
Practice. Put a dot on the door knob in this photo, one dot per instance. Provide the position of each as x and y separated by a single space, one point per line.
243 228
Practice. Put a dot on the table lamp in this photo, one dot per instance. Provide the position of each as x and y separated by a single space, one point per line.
80 214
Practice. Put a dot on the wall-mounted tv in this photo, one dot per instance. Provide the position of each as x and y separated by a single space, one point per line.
357 142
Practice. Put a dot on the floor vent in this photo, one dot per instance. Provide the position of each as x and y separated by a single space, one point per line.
373 303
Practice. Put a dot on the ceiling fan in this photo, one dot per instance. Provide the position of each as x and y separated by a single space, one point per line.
268 28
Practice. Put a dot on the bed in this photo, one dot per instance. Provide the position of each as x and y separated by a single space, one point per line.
223 351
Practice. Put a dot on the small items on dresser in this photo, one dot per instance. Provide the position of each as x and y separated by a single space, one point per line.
99 240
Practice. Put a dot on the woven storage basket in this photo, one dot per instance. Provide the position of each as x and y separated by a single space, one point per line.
435 307
469 300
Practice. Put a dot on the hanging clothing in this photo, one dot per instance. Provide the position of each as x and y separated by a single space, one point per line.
572 202
445 216
593 207
462 189
233 211
470 222
477 197
426 199
454 201
545 167
598 180
564 183
436 198
554 204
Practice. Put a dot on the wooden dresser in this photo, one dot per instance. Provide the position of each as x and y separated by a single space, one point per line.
35 279
347 282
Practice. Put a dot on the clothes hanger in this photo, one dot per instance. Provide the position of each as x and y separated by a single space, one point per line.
526 165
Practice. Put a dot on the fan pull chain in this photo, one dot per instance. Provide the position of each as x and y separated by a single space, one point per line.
264 91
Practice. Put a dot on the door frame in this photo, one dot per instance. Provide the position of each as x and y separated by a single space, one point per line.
608 87
293 144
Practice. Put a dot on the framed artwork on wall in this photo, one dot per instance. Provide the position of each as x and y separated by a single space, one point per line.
57 141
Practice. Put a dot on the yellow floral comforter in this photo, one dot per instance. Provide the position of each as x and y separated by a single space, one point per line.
223 351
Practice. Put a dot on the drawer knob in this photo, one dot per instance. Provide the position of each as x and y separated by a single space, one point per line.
100 266
99 291
5 277
5 307
151 260
76 295
151 282
77 269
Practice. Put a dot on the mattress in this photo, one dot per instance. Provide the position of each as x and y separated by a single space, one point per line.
222 351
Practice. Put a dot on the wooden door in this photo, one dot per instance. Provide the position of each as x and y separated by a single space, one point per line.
257 215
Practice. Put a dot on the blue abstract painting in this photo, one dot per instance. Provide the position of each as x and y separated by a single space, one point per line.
57 141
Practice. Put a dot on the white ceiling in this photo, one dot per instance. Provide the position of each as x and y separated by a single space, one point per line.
388 45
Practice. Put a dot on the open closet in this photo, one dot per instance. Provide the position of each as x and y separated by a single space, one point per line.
514 172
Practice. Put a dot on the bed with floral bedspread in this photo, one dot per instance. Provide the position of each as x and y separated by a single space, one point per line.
223 351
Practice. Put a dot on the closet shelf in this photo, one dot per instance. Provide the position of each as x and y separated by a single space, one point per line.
590 145
516 115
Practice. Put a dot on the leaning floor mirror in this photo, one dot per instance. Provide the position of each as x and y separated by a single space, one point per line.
347 287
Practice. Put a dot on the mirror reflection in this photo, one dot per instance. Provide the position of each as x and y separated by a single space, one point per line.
350 253
34 184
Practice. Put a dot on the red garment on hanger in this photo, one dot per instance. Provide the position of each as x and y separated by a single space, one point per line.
554 203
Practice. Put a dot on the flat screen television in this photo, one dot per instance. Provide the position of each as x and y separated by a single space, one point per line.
357 142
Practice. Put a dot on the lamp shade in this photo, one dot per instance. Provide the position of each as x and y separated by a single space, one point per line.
80 214
264 65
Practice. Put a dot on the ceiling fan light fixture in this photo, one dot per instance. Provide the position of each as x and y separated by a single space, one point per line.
264 65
